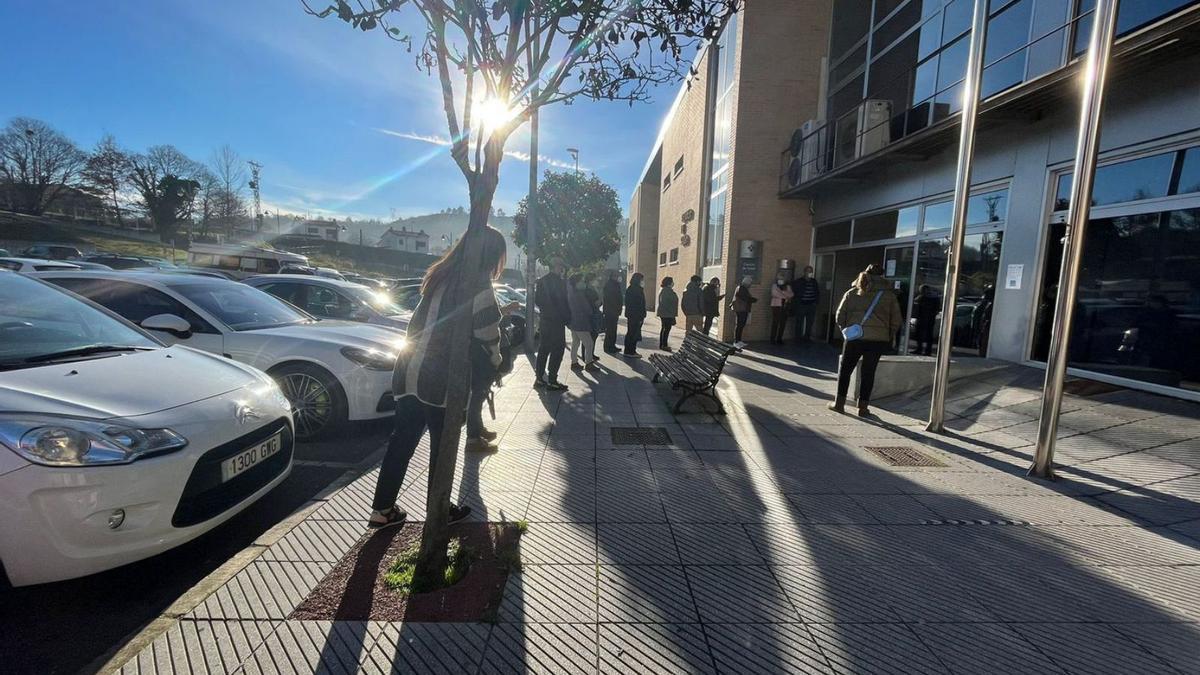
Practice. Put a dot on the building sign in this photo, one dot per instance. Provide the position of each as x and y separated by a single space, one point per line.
750 260
1012 281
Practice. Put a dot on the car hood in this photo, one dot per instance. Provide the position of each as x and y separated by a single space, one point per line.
337 332
131 384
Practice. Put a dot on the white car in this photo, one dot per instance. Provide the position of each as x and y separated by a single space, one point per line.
114 447
25 265
331 371
332 299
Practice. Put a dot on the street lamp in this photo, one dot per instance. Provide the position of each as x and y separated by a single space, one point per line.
575 156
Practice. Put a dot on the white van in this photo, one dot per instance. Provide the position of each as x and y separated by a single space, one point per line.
242 261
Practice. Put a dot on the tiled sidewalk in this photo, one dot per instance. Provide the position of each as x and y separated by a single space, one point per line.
771 540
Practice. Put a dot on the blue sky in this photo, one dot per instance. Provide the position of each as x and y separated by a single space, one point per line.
310 99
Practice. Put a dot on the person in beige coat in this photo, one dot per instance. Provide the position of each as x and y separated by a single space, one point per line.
869 303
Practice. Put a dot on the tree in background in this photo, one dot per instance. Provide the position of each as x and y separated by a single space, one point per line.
229 201
207 198
167 182
37 165
107 173
497 62
577 218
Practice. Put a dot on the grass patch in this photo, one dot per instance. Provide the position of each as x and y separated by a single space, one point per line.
401 574
522 525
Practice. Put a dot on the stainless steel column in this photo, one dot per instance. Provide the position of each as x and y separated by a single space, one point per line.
1092 101
958 226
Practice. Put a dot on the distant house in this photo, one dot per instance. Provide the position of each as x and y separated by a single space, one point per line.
324 229
404 239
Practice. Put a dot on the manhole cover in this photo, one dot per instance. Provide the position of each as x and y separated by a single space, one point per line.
640 436
903 456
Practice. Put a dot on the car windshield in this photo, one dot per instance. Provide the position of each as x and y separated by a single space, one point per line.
38 321
241 307
379 301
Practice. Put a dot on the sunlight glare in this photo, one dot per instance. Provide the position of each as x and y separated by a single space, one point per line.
492 113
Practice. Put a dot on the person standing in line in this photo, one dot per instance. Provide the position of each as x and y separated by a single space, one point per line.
806 292
595 318
711 300
926 306
742 303
781 295
554 313
869 316
667 311
581 324
635 314
613 304
421 377
692 304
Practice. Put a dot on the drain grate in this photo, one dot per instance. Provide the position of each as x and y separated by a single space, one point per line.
640 436
902 456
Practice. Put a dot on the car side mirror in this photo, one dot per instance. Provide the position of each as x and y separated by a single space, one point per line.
168 323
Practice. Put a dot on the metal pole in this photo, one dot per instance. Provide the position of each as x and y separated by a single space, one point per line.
531 227
1088 146
958 227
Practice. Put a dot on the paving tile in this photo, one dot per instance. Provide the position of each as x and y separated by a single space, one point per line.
636 544
831 509
895 509
574 506
312 646
739 594
714 544
696 508
316 541
1019 594
653 649
765 648
550 594
684 480
832 594
625 480
425 648
545 649
201 647
1091 648
1174 643
646 594
263 590
629 507
748 506
881 648
558 544
926 593
982 648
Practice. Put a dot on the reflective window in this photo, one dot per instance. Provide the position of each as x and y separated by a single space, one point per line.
1189 176
851 19
852 63
714 233
836 234
984 208
957 19
1144 178
898 25
886 225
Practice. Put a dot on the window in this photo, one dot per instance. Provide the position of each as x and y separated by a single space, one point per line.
674 256
887 225
679 166
988 207
851 19
714 232
666 182
632 232
138 303
421 245
229 262
1128 181
836 234
662 259
249 264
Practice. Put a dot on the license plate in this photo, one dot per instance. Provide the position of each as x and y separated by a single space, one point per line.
249 457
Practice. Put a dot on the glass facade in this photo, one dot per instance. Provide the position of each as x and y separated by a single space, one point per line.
722 143
1137 313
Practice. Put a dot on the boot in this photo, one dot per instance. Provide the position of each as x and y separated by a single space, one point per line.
480 445
864 409
488 434
838 405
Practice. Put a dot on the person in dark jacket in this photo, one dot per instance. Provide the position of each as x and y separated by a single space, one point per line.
635 314
422 380
871 304
711 298
692 304
593 298
805 294
742 303
667 311
925 310
614 302
554 313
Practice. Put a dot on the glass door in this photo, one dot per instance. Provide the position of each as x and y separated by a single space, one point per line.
976 293
898 270
823 270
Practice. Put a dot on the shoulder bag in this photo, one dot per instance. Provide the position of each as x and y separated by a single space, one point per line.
855 331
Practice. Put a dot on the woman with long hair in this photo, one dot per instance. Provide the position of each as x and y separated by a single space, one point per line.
419 382
582 309
869 316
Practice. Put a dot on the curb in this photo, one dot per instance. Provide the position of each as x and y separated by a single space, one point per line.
112 662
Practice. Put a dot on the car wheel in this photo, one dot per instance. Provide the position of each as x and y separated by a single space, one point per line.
318 402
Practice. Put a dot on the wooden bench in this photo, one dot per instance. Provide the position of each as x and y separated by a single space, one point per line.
695 368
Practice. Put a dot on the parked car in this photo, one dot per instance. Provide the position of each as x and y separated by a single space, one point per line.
84 265
242 261
24 265
52 252
96 473
4 253
331 371
297 269
333 299
118 261
329 273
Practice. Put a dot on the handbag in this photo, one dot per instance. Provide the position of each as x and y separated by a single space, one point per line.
855 331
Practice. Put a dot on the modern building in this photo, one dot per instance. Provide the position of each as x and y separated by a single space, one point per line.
870 170
404 239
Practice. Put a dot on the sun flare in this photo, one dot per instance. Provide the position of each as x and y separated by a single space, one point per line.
492 113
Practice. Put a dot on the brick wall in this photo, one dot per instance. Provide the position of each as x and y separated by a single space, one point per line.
643 216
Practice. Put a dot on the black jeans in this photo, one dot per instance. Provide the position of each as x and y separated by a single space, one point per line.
479 393
667 324
708 322
778 323
412 417
552 343
806 316
924 336
610 332
633 335
869 352
740 325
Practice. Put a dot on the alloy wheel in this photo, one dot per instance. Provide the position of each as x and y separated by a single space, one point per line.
312 402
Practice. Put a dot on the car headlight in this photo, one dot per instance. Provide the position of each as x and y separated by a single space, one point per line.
71 442
372 359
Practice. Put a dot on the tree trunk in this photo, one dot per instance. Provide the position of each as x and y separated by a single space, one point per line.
435 538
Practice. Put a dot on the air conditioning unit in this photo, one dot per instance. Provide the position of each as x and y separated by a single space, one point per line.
862 131
810 152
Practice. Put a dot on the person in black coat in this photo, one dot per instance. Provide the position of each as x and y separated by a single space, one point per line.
710 299
635 313
614 302
926 306
553 316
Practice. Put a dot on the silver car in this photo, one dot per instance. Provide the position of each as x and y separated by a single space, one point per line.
327 298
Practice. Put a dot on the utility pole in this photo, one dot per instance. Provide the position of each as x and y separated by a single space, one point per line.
531 227
255 169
